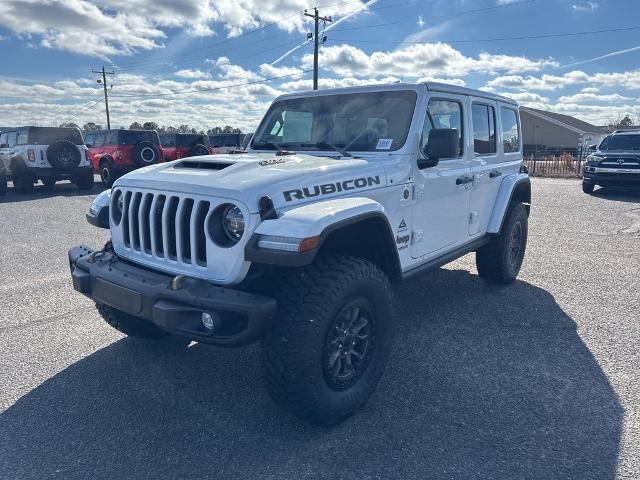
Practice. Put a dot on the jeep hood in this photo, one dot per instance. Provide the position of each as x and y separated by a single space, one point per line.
287 179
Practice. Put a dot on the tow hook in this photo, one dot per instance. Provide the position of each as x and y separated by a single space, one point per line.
177 281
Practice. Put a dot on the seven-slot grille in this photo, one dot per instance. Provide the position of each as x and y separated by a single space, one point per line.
165 226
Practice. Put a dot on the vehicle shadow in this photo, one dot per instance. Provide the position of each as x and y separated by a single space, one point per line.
628 195
484 382
62 188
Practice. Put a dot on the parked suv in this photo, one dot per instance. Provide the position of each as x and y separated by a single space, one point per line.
297 242
615 162
49 154
116 152
181 145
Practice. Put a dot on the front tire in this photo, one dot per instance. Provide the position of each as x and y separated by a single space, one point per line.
108 173
128 324
328 348
500 260
588 187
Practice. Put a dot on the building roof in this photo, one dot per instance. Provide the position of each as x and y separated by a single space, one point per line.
571 122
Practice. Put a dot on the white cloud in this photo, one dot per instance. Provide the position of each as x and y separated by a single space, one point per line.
585 7
544 82
191 73
418 60
106 28
592 97
272 71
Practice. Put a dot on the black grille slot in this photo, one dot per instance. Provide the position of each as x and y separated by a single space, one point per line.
157 224
170 230
145 209
125 219
201 239
185 229
135 231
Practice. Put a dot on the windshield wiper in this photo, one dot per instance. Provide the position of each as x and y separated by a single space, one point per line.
341 151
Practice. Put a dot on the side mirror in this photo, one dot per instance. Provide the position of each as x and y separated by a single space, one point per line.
442 143
593 148
88 145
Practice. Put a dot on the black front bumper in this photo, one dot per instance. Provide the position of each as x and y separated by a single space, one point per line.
612 179
240 317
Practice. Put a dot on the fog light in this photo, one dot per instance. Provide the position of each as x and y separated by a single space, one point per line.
209 321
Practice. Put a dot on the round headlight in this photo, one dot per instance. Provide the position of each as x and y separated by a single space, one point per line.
118 207
233 223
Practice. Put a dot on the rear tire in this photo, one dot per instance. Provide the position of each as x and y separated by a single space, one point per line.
328 348
128 324
48 182
85 181
500 260
23 183
588 187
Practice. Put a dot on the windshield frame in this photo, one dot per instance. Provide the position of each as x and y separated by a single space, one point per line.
322 144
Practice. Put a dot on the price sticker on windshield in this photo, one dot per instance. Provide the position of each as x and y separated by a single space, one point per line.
384 143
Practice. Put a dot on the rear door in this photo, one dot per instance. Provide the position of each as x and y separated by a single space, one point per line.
486 163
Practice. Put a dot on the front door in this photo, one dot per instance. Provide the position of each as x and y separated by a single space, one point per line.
441 209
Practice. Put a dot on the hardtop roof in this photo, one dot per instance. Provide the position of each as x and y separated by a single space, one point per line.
431 86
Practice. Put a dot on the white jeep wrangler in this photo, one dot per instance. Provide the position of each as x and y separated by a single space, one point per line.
49 154
297 241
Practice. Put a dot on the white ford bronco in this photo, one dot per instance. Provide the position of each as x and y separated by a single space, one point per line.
297 241
49 154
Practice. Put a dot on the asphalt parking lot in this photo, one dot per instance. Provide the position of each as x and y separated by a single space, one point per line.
540 379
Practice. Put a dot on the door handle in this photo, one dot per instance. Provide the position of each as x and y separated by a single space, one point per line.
495 173
464 180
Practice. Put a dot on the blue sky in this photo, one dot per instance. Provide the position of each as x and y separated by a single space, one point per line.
208 63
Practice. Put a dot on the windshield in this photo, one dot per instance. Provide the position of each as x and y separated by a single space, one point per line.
621 142
131 137
371 121
46 136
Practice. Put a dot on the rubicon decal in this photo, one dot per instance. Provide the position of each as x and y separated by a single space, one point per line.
329 188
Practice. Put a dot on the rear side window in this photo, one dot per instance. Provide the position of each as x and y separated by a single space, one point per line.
98 140
168 140
3 139
484 129
111 138
22 138
225 140
131 137
190 140
443 114
46 136
510 130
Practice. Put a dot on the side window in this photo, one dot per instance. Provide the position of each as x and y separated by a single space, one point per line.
22 138
12 138
443 114
510 130
111 138
98 140
484 129
88 140
3 139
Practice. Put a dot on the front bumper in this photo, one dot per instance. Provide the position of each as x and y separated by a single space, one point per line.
612 177
242 317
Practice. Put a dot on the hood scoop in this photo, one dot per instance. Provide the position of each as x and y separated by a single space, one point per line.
200 165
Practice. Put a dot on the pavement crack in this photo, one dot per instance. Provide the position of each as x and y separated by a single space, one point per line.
45 320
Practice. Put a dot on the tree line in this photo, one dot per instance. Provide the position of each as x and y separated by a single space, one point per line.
92 127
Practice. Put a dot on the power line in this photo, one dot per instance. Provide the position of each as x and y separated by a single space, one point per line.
83 110
265 80
499 39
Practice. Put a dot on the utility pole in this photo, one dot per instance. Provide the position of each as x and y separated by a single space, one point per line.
106 98
316 42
